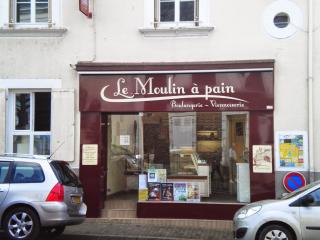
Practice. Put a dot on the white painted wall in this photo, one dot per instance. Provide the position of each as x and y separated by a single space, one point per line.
113 36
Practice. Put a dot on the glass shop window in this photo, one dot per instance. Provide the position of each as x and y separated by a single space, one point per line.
189 156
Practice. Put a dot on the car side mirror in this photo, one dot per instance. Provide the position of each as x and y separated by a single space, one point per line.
307 200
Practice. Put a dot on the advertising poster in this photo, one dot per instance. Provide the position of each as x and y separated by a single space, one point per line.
143 194
152 175
154 191
193 191
291 151
167 191
262 158
157 175
180 191
142 181
162 175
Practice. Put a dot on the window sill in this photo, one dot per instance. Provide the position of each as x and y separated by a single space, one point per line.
176 32
32 32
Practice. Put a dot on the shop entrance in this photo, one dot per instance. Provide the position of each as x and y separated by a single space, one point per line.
124 164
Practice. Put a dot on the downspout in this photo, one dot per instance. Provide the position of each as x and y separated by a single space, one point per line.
310 92
94 54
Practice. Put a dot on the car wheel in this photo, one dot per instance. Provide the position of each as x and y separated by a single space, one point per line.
275 232
21 223
52 232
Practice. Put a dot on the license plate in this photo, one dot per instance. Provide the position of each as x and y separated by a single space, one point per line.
76 199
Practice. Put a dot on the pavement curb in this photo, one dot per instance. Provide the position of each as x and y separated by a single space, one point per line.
190 223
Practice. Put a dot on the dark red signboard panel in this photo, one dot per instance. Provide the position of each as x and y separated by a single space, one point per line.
293 181
84 8
234 91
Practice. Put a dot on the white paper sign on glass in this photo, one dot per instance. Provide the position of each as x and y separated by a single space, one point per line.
124 140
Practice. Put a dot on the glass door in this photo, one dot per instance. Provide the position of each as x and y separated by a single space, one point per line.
125 153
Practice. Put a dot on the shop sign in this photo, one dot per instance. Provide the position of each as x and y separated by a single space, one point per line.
177 92
84 7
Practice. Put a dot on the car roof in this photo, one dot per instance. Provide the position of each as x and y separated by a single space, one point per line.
22 157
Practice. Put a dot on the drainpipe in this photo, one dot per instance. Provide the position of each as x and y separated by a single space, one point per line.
94 29
310 92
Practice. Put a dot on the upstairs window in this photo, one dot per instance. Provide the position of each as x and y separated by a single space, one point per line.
178 12
174 18
31 11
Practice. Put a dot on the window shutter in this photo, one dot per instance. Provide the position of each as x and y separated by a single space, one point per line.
62 124
2 119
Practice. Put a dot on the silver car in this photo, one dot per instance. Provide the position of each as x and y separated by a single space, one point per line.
295 216
38 196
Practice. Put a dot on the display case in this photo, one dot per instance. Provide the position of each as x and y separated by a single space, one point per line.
183 162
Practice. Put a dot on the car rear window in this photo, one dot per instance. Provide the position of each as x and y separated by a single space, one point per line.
65 174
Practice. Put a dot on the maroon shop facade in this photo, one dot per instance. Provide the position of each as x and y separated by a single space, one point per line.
174 87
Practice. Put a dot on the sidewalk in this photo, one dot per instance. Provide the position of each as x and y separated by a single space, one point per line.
169 229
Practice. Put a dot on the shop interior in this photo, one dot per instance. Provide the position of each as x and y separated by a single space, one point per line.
209 149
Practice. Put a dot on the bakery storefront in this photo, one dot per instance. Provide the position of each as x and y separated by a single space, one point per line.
180 140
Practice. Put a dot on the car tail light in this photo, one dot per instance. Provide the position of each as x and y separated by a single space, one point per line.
56 194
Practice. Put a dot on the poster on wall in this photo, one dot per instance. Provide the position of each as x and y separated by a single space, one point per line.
291 151
90 154
262 158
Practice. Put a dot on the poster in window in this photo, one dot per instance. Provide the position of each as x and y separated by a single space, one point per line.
157 175
154 191
180 191
142 181
167 192
262 158
143 194
124 140
193 190
291 151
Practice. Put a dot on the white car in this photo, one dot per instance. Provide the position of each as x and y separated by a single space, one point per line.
38 195
294 217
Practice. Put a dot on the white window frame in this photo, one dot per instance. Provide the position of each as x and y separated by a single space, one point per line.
32 14
11 119
152 27
8 16
176 22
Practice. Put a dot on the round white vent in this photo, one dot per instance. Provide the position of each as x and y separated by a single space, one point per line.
282 19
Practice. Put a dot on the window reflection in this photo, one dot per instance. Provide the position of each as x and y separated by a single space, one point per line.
22 110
